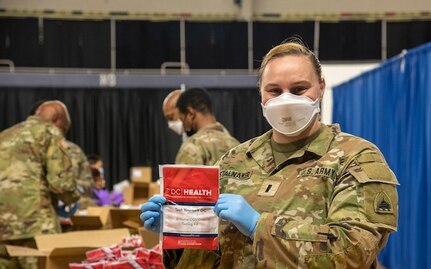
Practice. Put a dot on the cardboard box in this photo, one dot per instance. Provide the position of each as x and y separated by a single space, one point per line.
150 238
61 249
139 193
140 174
153 189
136 194
94 218
126 218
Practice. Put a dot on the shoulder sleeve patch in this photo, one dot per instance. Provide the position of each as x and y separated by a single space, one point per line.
377 190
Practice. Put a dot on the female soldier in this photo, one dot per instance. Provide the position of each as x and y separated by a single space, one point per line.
304 194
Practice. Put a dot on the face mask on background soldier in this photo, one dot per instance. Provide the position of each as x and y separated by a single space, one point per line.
188 128
101 171
190 132
176 126
290 114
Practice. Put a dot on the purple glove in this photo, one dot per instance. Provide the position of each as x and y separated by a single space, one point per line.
117 198
102 197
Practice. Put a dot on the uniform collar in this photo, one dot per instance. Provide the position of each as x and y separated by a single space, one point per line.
213 126
34 118
260 149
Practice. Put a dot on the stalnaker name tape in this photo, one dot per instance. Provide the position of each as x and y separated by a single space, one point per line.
188 218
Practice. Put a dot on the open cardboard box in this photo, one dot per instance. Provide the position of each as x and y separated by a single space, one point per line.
61 249
126 218
130 218
150 238
95 218
108 218
136 193
139 193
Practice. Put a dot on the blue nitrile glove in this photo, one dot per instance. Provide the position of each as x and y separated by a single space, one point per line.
235 208
67 211
151 212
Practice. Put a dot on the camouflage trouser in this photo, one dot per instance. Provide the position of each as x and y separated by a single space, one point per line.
7 262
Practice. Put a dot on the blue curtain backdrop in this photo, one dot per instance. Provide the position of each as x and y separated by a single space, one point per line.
391 107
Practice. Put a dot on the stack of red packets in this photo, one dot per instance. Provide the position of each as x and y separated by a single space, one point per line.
129 254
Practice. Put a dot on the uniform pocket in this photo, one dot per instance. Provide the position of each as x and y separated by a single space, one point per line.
310 239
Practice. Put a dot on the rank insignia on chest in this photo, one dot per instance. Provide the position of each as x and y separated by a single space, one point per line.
269 188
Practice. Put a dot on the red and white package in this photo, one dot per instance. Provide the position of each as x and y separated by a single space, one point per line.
157 248
104 253
142 253
188 217
132 241
155 257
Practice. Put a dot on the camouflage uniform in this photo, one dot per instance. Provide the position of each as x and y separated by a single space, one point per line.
33 167
205 147
330 204
84 178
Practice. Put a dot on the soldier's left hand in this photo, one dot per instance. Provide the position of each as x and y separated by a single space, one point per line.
235 208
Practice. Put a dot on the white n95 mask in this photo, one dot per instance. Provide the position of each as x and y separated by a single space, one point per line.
101 171
290 114
176 126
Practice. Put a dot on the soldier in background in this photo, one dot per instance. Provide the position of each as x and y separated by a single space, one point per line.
171 113
84 179
80 163
101 196
207 141
304 194
35 168
84 183
96 161
114 198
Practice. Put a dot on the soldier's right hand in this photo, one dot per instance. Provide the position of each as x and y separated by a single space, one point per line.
151 213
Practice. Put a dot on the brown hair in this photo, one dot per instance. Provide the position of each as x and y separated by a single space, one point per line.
292 46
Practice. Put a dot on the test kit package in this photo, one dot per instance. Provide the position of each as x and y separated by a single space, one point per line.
188 218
